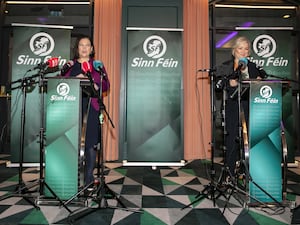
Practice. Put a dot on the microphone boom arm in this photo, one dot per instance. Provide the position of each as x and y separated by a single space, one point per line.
96 93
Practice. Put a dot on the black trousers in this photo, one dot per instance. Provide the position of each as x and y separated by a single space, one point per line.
233 150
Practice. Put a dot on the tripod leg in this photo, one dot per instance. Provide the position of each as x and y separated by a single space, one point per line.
78 193
26 198
208 192
202 196
227 200
249 179
104 189
224 181
113 194
54 195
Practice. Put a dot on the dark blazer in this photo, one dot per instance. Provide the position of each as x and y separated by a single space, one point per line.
225 72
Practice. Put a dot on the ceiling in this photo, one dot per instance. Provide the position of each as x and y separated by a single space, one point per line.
70 13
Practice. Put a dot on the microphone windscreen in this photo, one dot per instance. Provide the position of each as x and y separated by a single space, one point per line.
53 62
66 67
243 61
86 68
263 74
97 65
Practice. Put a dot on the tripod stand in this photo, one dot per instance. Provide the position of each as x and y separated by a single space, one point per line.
21 188
41 182
210 189
226 175
242 141
98 184
233 140
25 82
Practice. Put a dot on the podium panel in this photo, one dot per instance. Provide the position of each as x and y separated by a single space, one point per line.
265 115
63 107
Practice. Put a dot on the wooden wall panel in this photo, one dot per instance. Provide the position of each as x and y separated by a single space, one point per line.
107 41
197 118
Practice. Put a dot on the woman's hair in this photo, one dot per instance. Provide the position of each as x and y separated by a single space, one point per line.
237 43
75 50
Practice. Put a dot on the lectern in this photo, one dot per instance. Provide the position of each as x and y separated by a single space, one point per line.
63 123
265 154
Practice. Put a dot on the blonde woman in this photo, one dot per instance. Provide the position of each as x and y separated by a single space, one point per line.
231 71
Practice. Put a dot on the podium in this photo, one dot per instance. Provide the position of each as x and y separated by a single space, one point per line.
265 147
63 128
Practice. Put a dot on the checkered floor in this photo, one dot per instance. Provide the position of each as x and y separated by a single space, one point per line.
166 195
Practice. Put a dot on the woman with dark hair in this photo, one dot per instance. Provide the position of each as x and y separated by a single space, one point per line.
83 54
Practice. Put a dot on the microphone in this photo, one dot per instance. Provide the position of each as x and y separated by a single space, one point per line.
98 66
219 84
86 68
242 64
52 62
262 72
66 67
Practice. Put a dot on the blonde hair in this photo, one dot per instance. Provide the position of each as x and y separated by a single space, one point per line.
237 43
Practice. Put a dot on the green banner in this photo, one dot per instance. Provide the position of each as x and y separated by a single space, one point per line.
273 50
63 120
265 141
154 96
32 45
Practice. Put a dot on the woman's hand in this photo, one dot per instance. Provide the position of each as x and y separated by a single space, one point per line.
81 76
96 87
233 83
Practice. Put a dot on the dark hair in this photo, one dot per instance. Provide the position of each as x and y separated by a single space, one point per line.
75 50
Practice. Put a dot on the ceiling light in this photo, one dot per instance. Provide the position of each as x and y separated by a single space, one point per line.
286 16
255 7
47 3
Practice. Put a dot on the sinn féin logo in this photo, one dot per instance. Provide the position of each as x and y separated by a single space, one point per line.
63 89
264 46
266 96
265 91
41 44
155 46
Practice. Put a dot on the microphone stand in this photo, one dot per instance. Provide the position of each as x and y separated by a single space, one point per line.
42 183
225 172
21 188
98 195
210 189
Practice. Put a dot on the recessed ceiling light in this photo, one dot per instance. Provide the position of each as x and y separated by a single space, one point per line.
286 16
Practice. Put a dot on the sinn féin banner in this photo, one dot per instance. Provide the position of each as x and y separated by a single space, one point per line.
154 118
33 47
272 50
